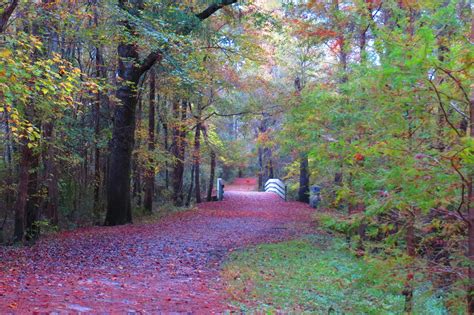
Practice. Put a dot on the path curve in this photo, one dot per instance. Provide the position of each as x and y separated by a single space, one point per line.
169 266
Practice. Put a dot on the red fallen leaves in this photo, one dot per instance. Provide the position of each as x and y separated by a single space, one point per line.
168 266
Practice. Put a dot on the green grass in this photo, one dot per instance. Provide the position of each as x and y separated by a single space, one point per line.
318 275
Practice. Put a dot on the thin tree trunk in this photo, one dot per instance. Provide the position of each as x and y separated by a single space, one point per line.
303 191
178 151
136 166
100 73
197 161
410 233
191 186
8 180
52 174
167 171
260 167
150 171
22 197
211 175
470 207
32 230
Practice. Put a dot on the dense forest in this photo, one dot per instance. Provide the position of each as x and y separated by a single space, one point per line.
115 111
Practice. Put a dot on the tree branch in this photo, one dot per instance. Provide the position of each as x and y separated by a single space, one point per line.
7 12
445 114
150 60
213 8
157 56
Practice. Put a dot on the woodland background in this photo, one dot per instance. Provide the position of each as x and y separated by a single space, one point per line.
112 110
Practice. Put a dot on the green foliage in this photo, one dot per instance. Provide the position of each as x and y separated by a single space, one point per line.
34 87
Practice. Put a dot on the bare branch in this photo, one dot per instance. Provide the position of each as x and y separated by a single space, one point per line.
213 8
150 60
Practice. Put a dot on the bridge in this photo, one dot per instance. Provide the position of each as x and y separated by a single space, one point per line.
273 185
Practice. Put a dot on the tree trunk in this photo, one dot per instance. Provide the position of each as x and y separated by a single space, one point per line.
150 171
32 230
268 164
470 207
6 14
166 144
22 197
260 168
197 161
51 171
100 73
303 191
9 192
211 175
191 186
179 143
410 233
136 166
119 208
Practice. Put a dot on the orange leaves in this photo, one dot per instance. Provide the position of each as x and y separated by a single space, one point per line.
372 4
406 4
322 33
337 45
263 138
316 4
308 30
359 157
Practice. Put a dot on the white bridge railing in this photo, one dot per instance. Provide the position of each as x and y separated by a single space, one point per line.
276 186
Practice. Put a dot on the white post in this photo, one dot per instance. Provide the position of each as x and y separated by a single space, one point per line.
220 189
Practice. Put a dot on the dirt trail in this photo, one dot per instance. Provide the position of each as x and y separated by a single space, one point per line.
172 265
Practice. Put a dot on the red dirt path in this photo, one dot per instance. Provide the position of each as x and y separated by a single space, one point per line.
169 266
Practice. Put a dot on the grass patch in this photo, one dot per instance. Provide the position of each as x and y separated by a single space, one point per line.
318 275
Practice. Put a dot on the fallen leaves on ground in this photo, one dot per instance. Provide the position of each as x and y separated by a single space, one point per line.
170 265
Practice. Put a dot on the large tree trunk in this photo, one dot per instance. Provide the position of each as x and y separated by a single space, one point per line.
303 191
119 208
150 171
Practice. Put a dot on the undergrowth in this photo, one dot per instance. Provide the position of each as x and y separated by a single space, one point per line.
318 275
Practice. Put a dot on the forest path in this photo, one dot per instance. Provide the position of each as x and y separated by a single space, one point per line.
172 265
